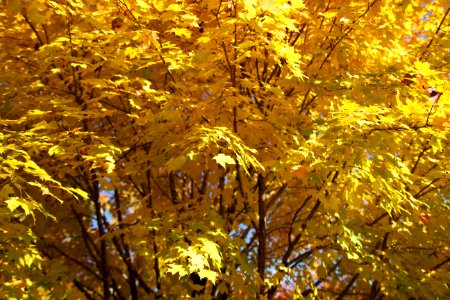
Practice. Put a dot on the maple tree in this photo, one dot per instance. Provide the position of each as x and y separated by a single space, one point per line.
224 149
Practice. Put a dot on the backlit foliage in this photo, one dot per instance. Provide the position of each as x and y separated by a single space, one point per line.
224 149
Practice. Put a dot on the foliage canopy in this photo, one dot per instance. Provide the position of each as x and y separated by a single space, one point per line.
224 149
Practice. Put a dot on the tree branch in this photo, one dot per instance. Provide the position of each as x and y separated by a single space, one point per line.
436 32
41 42
261 230
348 287
440 264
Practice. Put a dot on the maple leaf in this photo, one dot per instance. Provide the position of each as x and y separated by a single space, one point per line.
208 274
223 160
179 149
177 269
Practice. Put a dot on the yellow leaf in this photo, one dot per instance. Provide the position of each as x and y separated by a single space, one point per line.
177 269
329 14
223 160
81 65
143 4
212 250
208 274
14 202
5 191
181 32
197 261
175 163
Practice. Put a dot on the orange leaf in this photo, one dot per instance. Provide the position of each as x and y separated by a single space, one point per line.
300 172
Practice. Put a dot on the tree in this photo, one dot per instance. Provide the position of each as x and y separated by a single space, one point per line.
224 149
